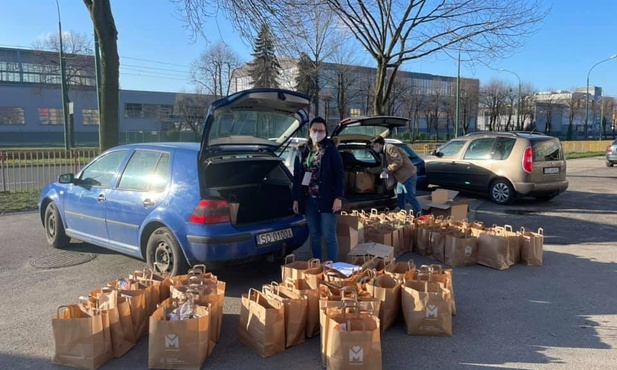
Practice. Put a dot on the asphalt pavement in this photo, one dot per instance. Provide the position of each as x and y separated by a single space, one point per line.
562 315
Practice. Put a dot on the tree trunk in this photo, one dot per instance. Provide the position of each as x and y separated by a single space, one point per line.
379 106
105 28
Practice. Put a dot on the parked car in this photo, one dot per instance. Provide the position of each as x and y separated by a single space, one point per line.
173 203
611 154
354 135
500 164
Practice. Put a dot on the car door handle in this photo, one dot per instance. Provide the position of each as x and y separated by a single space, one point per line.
101 198
147 202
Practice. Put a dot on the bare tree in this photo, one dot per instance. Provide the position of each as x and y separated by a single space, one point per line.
469 98
392 31
79 61
213 70
105 28
528 106
493 99
315 34
575 103
190 111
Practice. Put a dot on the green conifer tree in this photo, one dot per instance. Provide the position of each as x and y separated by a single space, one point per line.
265 68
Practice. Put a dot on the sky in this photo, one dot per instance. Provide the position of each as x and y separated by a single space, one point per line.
156 50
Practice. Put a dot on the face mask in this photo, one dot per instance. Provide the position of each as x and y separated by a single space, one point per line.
317 136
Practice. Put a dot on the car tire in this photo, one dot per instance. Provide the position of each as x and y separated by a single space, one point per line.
609 164
501 192
54 228
163 253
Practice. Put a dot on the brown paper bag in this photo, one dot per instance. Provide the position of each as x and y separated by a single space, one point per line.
422 243
295 312
442 275
293 269
234 207
106 299
178 344
364 182
79 338
262 323
531 247
304 289
161 282
398 270
426 308
514 244
461 249
139 313
388 290
493 250
437 242
354 340
338 296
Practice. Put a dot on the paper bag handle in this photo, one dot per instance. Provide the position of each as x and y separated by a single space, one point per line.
436 268
411 265
314 262
540 231
289 257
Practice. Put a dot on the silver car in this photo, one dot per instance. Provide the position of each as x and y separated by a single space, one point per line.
611 154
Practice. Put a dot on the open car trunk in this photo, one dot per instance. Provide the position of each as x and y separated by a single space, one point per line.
260 186
364 189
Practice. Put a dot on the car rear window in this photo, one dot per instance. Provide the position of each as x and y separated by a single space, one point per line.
547 150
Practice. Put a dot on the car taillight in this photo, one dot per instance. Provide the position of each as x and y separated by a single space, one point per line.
210 211
528 160
608 149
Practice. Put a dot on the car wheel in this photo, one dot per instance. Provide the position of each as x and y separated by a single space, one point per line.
163 253
501 192
609 164
54 228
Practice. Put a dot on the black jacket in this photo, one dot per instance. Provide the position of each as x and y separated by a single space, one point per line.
331 177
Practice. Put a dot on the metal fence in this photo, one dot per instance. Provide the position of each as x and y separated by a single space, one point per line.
29 170
25 170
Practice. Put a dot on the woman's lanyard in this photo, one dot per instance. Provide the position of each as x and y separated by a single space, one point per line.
310 158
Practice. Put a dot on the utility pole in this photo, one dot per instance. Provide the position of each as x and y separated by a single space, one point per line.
594 95
63 87
458 95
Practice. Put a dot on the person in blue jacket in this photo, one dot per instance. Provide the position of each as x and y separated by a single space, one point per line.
318 188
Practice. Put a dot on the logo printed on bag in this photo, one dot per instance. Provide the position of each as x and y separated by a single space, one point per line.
172 341
432 311
356 355
468 251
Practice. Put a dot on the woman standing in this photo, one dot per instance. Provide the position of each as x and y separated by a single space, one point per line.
318 188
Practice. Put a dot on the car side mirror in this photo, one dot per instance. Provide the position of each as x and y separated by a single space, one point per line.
437 154
66 178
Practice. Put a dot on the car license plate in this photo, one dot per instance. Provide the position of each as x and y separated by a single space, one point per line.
274 236
551 170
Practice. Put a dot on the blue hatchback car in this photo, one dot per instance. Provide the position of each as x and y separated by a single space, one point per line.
179 204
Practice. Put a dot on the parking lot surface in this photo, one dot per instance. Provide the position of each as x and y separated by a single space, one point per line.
562 315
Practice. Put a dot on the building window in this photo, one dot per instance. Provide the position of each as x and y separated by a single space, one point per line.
152 111
51 116
12 116
133 110
90 117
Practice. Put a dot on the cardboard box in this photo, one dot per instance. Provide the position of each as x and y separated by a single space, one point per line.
371 250
347 238
443 202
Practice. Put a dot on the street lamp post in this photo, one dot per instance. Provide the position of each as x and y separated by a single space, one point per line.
518 104
587 91
63 87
